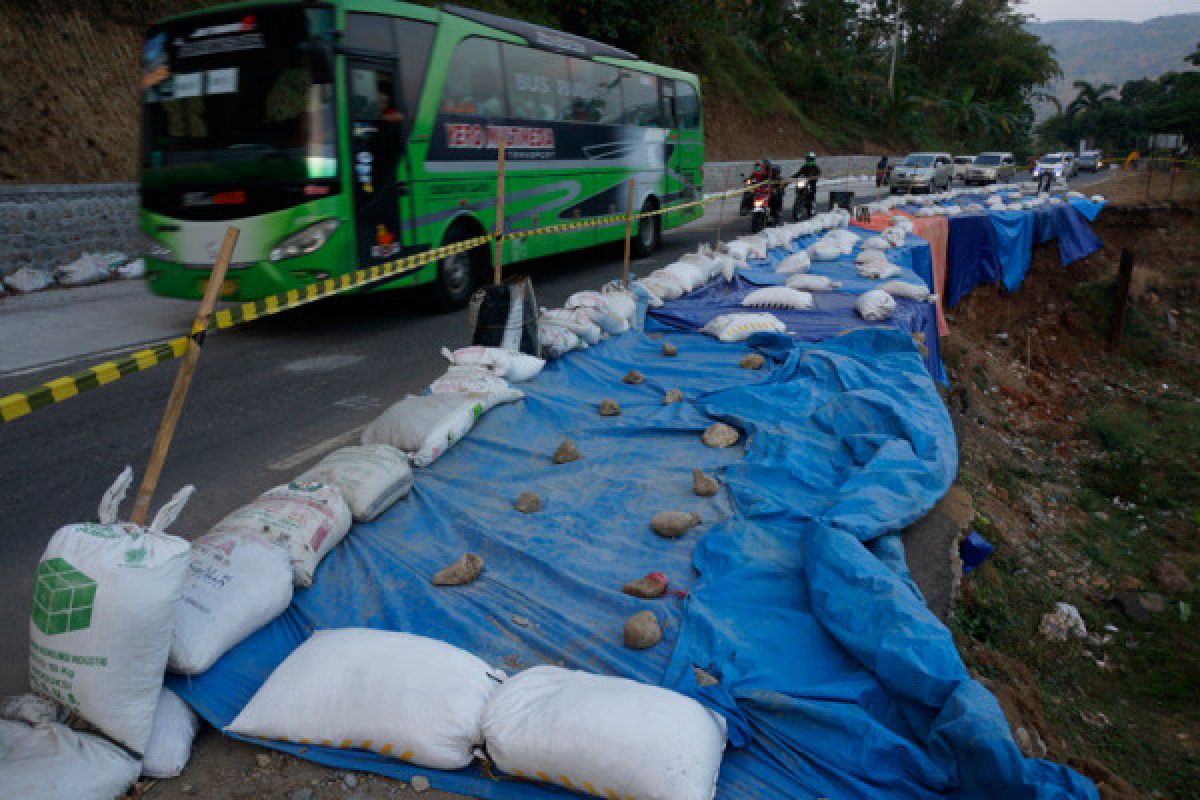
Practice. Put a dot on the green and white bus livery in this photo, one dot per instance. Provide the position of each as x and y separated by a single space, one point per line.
342 135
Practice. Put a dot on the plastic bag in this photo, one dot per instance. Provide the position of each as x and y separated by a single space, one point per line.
28 279
237 582
86 269
396 694
306 519
505 316
103 609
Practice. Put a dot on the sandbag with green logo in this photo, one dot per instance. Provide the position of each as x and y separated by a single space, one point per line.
103 608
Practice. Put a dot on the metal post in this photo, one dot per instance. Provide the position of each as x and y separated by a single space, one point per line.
1124 279
183 380
628 232
498 261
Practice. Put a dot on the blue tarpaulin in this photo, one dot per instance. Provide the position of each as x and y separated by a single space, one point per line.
836 679
832 314
1089 209
914 260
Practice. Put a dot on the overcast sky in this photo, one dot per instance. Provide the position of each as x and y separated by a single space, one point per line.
1136 10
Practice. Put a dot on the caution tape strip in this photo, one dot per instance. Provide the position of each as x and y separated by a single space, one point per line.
55 391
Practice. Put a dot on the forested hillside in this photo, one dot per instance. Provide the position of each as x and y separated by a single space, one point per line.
780 76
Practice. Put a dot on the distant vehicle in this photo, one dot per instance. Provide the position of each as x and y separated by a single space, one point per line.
993 167
346 135
961 165
1060 165
926 171
1091 161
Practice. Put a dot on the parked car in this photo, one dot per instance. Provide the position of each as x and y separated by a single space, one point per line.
1060 165
926 171
1091 161
961 165
992 167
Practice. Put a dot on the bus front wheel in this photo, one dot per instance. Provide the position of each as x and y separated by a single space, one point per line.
457 274
649 232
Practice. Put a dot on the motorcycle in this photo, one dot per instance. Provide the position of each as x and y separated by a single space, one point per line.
760 208
806 196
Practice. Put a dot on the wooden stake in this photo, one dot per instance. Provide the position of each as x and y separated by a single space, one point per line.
628 231
1171 187
1124 279
183 380
720 219
498 262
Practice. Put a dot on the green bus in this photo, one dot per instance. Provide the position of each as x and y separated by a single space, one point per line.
343 135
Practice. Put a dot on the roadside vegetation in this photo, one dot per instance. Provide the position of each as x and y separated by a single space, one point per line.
1085 471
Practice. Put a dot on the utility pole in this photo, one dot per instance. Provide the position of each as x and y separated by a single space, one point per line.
895 47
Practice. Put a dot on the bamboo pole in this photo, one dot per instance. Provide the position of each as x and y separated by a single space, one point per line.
498 262
721 218
183 380
628 232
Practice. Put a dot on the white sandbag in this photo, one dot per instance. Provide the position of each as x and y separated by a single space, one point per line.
426 426
371 477
756 245
690 275
606 736
1097 198
621 302
737 327
812 283
738 250
52 762
132 270
875 305
913 291
306 519
865 256
28 279
237 582
85 270
594 305
778 297
577 322
103 608
175 727
523 367
825 250
903 223
491 358
876 243
795 263
877 270
397 694
476 380
556 341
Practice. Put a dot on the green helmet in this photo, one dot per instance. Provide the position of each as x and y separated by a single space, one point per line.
811 157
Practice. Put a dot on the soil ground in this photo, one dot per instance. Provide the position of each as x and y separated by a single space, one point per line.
1084 468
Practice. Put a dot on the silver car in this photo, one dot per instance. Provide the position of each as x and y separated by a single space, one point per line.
962 164
993 167
927 171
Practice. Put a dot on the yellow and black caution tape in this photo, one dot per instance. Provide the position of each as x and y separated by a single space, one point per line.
55 391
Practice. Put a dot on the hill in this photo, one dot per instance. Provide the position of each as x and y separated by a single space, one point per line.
1109 51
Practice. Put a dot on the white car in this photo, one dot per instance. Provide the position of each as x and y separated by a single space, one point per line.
928 171
962 165
992 167
1061 165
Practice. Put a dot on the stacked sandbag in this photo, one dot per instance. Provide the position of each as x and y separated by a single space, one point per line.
606 736
426 426
737 327
238 580
397 694
305 519
104 604
372 478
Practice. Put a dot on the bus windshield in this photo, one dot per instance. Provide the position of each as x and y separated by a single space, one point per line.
241 94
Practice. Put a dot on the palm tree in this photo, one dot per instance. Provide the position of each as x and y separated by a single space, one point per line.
967 114
1089 97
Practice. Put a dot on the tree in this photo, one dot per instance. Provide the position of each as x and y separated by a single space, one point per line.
1089 98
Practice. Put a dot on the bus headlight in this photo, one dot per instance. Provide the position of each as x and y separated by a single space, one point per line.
309 240
153 248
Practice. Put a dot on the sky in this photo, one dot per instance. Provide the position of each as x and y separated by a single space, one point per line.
1048 10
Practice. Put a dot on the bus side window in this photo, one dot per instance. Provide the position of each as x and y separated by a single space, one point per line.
474 82
595 93
538 84
687 106
667 113
641 98
414 41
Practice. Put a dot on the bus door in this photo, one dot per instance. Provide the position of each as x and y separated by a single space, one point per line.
378 151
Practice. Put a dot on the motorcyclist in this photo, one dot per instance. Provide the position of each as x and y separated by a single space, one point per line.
811 171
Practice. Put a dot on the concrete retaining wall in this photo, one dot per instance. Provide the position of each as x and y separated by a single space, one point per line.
722 175
46 225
